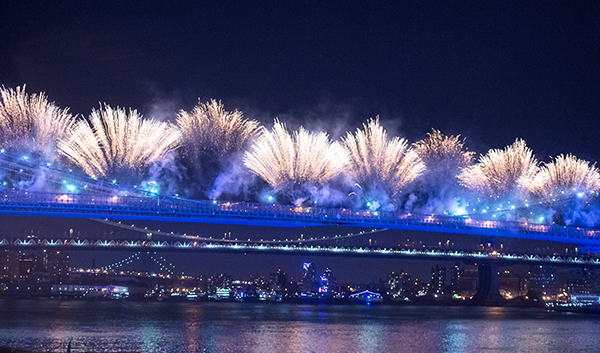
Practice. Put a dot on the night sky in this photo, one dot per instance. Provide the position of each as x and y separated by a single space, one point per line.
489 71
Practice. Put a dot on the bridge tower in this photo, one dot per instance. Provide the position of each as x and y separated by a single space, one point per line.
488 288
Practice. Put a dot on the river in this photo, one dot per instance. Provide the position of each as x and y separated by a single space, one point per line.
122 326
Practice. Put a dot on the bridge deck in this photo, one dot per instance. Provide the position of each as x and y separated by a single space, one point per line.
175 209
289 249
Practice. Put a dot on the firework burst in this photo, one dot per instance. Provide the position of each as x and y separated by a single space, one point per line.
376 162
567 177
441 150
283 159
31 123
114 142
209 129
502 172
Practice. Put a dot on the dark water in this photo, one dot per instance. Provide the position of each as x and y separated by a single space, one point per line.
115 326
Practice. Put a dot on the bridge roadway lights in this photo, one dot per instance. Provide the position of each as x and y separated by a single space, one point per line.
192 211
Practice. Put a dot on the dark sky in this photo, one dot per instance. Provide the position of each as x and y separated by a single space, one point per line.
491 71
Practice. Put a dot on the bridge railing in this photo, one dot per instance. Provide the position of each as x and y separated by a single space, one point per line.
177 207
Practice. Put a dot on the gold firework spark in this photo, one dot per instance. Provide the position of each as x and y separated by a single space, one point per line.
209 129
502 172
378 162
114 141
283 159
567 177
31 123
438 149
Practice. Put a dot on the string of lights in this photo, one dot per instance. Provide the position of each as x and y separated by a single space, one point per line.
163 264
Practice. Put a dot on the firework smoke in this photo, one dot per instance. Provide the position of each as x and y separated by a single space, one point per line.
31 123
378 163
438 188
501 173
225 156
303 158
115 143
211 139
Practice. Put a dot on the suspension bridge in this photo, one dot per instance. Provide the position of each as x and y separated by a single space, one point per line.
104 200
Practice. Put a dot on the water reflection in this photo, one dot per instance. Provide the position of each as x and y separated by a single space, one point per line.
239 327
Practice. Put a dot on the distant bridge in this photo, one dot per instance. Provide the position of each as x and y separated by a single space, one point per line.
285 248
160 208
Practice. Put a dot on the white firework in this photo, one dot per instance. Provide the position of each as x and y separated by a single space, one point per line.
502 172
31 123
210 129
375 161
567 177
114 141
439 150
283 159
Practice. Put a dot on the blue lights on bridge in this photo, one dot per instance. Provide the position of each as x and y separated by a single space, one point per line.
162 208
289 248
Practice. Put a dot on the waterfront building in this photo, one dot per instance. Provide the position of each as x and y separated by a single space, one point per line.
27 266
367 296
511 284
54 263
464 280
584 281
326 283
542 281
437 286
278 280
308 278
9 265
399 285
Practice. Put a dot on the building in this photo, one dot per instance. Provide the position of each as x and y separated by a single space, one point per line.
464 280
542 281
511 284
326 282
309 282
278 280
9 265
54 263
584 281
399 285
455 274
27 266
437 286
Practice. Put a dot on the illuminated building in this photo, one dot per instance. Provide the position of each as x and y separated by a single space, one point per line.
511 284
437 286
584 282
542 281
367 296
398 284
464 280
325 282
54 263
219 281
278 280
308 278
9 265
27 266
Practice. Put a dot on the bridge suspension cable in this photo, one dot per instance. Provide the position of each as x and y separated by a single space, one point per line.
162 263
300 240
66 180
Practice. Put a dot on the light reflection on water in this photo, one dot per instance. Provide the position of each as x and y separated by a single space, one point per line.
48 325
